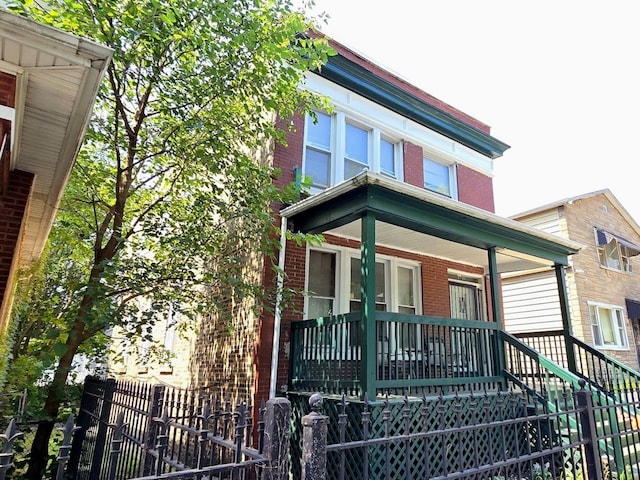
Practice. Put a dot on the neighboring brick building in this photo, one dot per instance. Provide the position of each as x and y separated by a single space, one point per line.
48 83
603 280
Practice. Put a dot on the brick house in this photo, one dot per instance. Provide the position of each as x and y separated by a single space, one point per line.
403 295
402 298
604 291
48 83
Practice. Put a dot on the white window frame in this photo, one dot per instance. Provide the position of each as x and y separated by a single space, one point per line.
453 184
620 330
343 283
339 121
338 276
343 280
621 251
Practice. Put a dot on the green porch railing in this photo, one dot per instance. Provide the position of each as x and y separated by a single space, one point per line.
414 355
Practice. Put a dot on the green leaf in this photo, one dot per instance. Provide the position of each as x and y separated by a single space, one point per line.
60 348
53 333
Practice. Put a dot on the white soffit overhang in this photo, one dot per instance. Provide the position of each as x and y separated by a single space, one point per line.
57 79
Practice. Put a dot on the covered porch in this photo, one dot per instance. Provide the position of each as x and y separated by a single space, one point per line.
373 352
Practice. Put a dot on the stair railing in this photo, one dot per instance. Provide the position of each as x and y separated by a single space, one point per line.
538 375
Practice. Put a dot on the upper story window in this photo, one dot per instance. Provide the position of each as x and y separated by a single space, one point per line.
318 150
614 251
438 177
338 148
607 326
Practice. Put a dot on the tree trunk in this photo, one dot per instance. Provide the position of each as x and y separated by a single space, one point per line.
40 447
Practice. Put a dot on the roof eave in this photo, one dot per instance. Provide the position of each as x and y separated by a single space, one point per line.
360 80
488 226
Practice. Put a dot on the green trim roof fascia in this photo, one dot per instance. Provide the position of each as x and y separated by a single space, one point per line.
359 80
414 214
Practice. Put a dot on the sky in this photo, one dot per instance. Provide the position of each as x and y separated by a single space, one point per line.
557 80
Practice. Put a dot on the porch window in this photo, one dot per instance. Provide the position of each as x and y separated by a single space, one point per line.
338 147
356 281
614 251
438 177
322 283
331 292
406 290
608 326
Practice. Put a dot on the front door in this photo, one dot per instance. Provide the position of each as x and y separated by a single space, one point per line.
466 304
464 299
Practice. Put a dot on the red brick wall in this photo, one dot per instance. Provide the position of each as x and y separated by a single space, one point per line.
13 205
413 168
475 189
435 292
7 90
289 156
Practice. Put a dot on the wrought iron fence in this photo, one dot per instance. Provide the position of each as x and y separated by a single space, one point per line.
12 434
136 431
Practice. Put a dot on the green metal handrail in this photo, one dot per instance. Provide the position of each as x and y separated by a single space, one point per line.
595 367
603 371
545 379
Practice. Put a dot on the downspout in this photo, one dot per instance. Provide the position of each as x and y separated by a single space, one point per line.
277 315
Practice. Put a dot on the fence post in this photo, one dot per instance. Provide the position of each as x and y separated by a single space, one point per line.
314 441
588 431
116 445
63 454
151 433
276 438
103 429
88 405
6 452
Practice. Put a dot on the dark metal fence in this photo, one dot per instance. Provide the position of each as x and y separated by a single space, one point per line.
130 430
9 438
505 436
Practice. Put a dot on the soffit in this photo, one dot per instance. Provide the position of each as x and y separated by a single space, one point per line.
57 80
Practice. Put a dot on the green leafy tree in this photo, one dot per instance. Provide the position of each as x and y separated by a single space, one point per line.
174 178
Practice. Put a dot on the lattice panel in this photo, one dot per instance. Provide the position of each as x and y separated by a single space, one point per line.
464 432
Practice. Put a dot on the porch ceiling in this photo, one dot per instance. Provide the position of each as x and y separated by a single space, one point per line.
416 220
